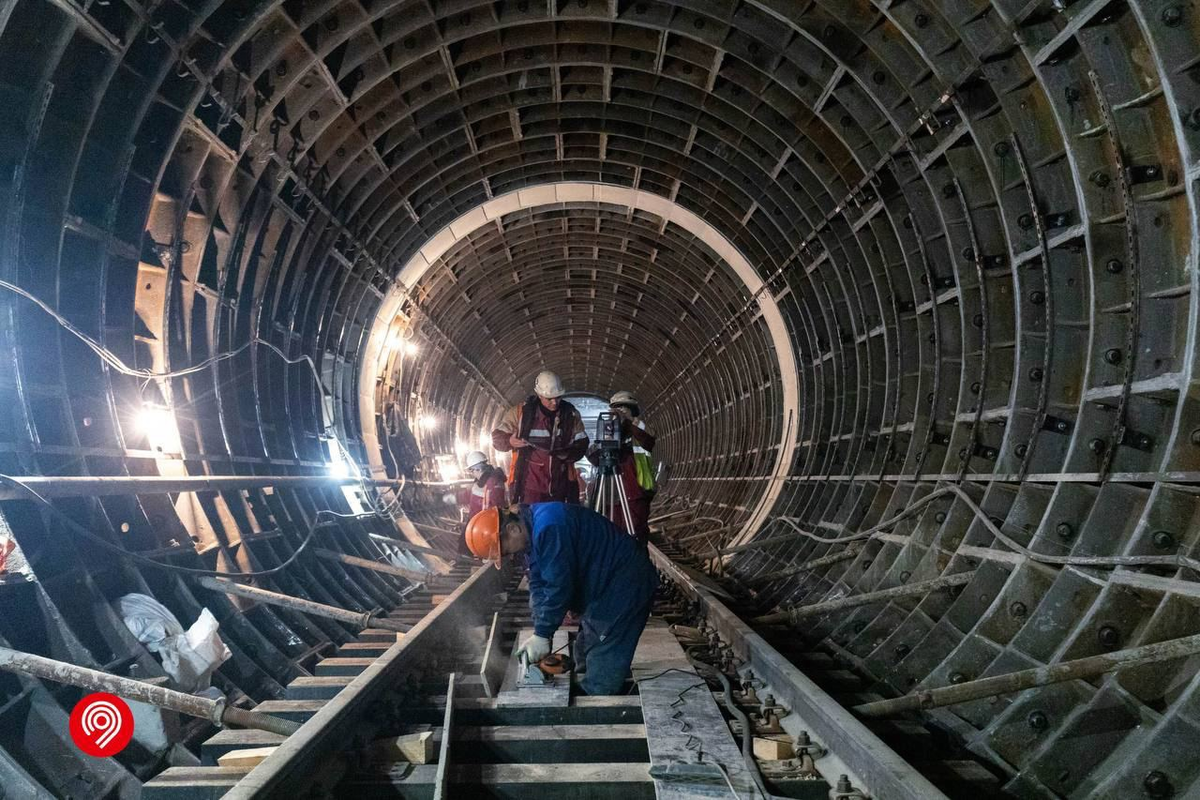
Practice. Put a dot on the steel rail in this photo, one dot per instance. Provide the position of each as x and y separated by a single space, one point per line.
884 772
441 784
296 763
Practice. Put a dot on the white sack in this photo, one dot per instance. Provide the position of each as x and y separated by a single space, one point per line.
188 657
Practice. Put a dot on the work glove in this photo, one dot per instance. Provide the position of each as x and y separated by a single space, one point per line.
535 648
450 499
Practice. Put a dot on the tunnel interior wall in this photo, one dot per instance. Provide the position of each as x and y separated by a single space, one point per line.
978 221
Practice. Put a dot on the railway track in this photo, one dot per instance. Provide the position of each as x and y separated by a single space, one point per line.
452 684
930 749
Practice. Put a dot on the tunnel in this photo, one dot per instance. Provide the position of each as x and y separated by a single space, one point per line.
905 290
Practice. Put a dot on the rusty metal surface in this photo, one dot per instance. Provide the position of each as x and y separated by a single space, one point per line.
886 774
346 716
977 219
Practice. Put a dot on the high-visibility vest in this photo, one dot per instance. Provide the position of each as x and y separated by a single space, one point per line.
644 463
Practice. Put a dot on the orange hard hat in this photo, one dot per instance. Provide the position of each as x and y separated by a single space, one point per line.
483 534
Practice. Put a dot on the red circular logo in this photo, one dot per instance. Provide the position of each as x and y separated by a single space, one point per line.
101 724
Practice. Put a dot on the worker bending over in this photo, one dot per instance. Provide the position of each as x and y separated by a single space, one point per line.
634 466
486 491
547 434
577 560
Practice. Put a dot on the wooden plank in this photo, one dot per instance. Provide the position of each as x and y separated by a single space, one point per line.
413 748
773 748
491 672
192 783
228 741
342 666
440 786
298 710
250 757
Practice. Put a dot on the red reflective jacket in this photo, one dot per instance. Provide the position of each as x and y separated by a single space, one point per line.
486 492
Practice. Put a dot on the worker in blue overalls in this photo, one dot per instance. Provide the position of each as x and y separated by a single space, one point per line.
578 561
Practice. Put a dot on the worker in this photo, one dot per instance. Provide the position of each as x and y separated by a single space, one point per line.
633 464
485 491
547 435
577 559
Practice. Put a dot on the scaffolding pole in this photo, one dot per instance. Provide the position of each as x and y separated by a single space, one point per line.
1079 668
793 615
816 563
377 566
92 680
362 620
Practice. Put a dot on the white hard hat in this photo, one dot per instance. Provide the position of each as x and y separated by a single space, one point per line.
623 398
475 458
548 385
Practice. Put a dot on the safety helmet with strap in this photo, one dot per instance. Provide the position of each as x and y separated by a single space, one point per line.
625 398
476 458
483 535
548 385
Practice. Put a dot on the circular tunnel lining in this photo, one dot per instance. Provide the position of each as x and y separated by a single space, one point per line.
612 288
978 221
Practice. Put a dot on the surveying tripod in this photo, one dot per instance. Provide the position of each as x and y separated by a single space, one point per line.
609 497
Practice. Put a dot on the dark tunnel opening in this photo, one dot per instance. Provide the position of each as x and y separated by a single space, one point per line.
907 286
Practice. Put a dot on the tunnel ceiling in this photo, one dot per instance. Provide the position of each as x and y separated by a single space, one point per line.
978 220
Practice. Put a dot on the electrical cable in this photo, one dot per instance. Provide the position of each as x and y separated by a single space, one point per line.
110 358
747 744
103 543
1178 560
146 375
700 666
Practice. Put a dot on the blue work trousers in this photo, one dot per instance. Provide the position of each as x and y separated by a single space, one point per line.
607 654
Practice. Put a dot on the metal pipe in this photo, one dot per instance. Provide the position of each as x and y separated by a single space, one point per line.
816 563
215 711
377 566
756 544
403 544
414 548
1079 668
105 486
792 615
744 720
361 620
706 534
660 517
433 528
